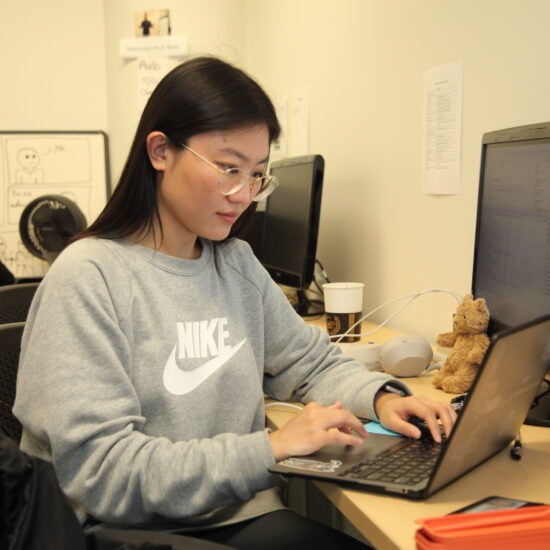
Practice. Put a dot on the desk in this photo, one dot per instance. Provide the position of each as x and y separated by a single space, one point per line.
388 522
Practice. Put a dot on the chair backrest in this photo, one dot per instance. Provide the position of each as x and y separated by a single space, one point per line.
10 348
15 301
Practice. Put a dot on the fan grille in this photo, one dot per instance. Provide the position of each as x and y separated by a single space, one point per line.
48 223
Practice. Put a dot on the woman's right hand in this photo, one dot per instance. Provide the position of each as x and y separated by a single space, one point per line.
314 427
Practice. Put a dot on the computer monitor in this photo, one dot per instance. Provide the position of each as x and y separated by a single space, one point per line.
284 234
512 243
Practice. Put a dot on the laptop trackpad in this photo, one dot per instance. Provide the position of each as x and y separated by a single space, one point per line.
373 445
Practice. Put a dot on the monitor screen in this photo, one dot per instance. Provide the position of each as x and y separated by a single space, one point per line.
512 247
284 234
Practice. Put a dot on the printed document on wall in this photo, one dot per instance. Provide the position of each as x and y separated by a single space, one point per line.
298 142
442 130
279 148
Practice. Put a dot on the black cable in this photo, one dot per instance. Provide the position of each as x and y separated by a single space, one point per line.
323 272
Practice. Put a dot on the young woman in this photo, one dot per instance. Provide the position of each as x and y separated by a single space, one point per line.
154 337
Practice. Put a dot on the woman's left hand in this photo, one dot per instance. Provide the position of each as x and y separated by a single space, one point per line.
395 412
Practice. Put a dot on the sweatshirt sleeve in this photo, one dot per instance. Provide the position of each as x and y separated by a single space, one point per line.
77 403
302 363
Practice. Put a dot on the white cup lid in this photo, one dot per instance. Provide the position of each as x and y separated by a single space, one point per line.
345 297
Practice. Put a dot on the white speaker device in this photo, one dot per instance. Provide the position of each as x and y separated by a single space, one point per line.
405 355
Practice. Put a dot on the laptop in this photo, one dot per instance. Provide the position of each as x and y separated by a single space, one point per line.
506 384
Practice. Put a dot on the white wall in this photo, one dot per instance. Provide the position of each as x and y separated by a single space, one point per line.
53 65
364 61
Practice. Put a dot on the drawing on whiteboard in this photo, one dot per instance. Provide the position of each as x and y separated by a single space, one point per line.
29 171
15 256
23 261
33 164
65 169
62 160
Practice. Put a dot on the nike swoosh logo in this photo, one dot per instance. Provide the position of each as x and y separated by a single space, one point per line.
180 382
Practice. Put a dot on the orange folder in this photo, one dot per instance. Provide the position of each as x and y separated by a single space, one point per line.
520 528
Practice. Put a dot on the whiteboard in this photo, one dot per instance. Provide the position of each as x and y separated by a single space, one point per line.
74 164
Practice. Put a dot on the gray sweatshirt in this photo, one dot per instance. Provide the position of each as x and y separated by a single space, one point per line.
142 378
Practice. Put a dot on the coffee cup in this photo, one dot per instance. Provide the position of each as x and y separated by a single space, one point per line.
343 309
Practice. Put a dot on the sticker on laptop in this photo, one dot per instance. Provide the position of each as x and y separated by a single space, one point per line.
312 465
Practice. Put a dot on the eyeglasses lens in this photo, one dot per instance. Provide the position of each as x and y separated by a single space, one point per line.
234 179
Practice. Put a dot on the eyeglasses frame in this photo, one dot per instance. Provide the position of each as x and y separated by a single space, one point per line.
271 181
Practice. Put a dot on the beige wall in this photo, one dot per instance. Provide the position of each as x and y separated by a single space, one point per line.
53 65
363 61
212 26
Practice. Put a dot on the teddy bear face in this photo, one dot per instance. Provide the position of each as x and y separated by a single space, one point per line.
471 317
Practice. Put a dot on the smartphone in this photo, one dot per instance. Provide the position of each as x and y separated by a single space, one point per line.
495 503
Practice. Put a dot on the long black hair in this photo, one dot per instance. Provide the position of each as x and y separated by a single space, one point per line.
201 95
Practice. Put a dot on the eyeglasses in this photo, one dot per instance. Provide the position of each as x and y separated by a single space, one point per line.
232 180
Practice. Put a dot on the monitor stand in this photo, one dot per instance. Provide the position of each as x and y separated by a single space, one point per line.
539 415
306 307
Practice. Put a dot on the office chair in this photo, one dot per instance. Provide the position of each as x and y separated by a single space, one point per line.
15 301
10 347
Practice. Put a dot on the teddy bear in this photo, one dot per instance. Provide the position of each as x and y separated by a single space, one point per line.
468 341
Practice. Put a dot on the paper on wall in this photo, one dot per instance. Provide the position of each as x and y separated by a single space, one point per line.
442 130
150 71
279 148
299 123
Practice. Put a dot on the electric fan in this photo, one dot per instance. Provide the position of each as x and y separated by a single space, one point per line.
47 223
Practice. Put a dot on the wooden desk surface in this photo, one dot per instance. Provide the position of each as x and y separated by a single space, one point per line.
388 522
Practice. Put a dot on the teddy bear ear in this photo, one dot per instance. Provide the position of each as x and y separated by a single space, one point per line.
480 302
468 297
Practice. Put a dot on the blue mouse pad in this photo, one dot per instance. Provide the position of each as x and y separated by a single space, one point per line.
374 427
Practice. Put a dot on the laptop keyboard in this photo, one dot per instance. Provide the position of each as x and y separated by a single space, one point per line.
410 464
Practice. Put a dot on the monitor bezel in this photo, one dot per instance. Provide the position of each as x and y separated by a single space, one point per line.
525 133
540 409
282 276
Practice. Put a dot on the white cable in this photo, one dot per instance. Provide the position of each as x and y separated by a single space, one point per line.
411 297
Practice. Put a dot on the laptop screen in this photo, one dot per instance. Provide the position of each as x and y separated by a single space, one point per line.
499 399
